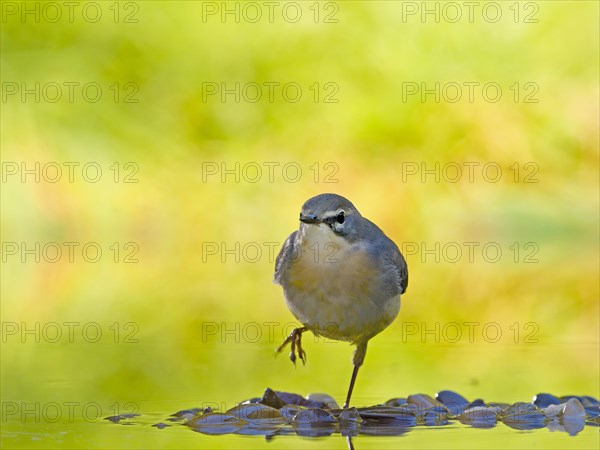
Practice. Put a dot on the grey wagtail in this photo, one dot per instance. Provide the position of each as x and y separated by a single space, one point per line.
342 277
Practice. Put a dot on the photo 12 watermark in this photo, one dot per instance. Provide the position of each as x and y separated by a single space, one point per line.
270 92
69 252
469 92
469 332
454 332
69 332
452 252
71 12
469 172
270 12
462 12
472 252
268 172
64 411
254 252
68 171
70 92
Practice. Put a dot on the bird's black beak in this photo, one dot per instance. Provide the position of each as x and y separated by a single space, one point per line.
309 218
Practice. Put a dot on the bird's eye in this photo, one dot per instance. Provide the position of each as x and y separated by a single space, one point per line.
341 217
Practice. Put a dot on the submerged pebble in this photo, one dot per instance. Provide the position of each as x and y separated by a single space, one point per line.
216 423
314 422
433 417
479 417
186 414
523 416
313 416
350 415
289 411
122 418
257 414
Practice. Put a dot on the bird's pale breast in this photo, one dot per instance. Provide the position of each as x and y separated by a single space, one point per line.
332 288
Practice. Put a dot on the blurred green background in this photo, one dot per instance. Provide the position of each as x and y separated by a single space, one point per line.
187 325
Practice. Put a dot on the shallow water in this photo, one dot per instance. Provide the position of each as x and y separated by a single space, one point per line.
102 434
59 396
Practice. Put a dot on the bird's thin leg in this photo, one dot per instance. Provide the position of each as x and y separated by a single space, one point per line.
352 380
301 352
349 442
358 359
295 339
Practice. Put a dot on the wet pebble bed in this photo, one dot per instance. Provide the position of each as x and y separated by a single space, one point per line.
279 413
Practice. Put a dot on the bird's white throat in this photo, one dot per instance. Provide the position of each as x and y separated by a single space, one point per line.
319 242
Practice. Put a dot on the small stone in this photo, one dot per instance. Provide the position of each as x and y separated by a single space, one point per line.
518 408
566 398
272 399
160 425
289 411
410 407
313 416
434 417
289 398
476 402
544 400
387 415
500 405
396 402
350 415
496 409
592 412
423 401
553 410
523 416
257 414
122 418
573 409
479 417
185 414
325 400
455 403
586 401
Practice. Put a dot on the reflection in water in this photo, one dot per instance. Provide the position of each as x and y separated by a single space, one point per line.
319 416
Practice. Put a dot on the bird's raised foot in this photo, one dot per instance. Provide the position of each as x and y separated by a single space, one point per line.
295 339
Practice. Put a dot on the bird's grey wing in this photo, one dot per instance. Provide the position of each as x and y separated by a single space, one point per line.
396 269
286 253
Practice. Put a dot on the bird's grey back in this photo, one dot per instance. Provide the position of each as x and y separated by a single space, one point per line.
389 258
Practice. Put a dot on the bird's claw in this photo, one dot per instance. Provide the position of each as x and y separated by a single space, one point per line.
295 339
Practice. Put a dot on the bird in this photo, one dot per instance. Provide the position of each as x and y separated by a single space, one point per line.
342 278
